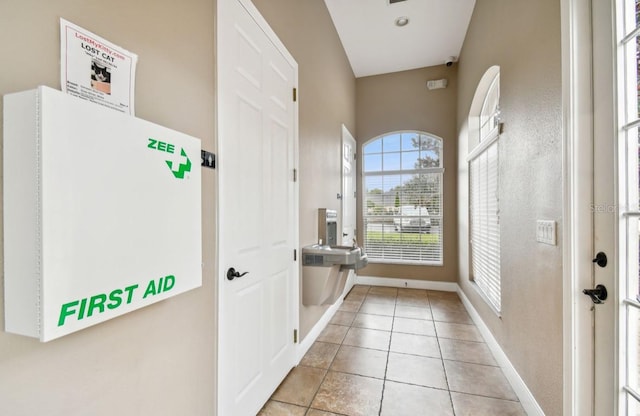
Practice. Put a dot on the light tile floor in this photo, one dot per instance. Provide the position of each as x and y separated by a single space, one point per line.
396 352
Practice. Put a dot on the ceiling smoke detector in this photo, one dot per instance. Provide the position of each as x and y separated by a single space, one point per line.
402 21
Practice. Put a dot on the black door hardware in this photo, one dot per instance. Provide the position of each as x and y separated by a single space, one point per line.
601 259
232 273
597 295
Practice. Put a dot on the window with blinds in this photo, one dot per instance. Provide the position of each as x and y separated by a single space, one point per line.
628 285
484 196
402 207
485 224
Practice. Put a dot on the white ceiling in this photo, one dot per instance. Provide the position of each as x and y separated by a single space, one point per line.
375 45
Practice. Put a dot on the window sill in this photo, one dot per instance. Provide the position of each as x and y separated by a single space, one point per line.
406 262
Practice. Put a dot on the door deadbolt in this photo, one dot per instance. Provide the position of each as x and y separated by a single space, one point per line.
601 259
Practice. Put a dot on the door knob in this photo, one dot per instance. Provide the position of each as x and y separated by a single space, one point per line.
232 273
601 259
597 295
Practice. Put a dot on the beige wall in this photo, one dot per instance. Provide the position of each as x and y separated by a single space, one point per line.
327 99
401 101
158 360
161 360
523 38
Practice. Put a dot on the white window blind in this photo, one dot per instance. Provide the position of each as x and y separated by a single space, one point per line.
403 198
485 223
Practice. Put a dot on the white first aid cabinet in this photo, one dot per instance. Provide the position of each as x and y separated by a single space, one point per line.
102 213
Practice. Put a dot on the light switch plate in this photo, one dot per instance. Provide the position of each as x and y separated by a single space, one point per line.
546 232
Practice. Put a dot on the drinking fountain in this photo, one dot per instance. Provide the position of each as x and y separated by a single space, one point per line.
326 265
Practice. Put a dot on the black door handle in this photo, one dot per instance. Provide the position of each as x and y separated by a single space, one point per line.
597 295
232 273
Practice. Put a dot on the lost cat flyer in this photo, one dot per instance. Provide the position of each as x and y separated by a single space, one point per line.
95 69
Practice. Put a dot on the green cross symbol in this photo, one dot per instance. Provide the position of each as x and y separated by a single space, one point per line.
182 167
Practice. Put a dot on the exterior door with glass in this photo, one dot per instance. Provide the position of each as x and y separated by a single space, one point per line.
616 211
626 294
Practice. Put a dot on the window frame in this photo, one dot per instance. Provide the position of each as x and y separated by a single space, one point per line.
439 262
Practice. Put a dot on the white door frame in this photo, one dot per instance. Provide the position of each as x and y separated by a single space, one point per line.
578 188
348 137
220 266
605 194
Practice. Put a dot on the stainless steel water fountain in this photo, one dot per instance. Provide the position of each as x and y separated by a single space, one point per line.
326 265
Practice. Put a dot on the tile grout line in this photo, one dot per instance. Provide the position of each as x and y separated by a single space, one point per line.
502 399
386 367
324 378
444 369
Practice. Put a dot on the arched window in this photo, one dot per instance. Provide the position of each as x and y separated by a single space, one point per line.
402 207
490 112
484 188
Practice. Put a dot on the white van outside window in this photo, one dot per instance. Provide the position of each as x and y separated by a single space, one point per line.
412 219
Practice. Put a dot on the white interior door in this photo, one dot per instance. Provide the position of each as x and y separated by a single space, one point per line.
257 223
348 187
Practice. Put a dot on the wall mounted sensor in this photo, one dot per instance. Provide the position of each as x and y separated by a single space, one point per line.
435 84
450 60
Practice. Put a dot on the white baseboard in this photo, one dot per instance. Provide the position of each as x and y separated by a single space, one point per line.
527 400
408 283
311 337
